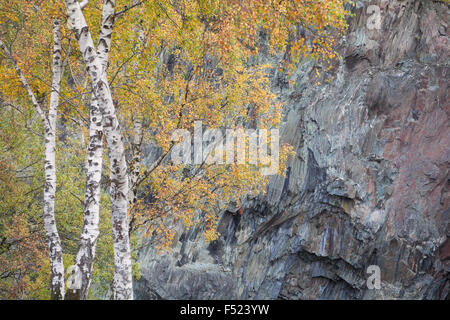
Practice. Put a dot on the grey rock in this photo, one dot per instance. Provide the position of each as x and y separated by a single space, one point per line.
369 184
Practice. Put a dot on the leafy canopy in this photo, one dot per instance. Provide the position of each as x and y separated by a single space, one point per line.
172 62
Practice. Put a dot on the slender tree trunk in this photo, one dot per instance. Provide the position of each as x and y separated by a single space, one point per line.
136 160
82 271
136 145
53 241
122 283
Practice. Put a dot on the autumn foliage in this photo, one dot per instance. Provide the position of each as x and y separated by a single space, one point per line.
172 62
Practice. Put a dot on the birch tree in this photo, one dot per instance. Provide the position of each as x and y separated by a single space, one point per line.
122 284
82 271
49 123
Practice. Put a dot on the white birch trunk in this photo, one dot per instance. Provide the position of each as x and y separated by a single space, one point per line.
55 248
136 160
122 284
82 271
136 152
81 275
53 241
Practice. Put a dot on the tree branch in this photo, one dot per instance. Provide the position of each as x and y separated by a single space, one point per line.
121 12
84 3
25 83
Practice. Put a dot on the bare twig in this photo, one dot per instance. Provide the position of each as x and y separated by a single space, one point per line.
25 83
76 197
121 12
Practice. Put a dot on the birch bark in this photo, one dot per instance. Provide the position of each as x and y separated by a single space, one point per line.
81 276
136 145
122 283
55 248
136 160
82 271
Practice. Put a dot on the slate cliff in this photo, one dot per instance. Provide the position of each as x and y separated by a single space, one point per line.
369 184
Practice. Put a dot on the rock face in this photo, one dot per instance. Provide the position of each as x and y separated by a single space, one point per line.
369 184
